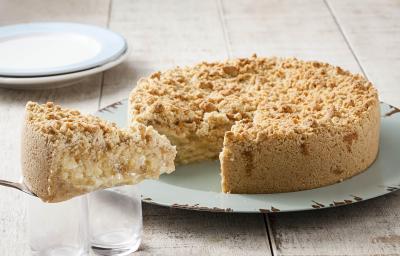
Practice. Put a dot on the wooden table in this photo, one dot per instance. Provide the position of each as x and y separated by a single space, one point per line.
362 36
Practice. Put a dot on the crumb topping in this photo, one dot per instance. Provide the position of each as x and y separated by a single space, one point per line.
52 119
268 95
69 127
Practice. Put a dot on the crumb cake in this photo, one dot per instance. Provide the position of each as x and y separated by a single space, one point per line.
277 124
65 153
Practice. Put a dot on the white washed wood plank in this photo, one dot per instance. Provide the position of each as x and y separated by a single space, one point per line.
367 228
290 28
299 28
162 34
21 11
180 232
373 31
12 204
306 29
85 96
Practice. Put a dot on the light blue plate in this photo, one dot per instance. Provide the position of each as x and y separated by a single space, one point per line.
39 49
197 186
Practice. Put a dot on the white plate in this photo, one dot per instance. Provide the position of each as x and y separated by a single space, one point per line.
58 81
43 49
197 186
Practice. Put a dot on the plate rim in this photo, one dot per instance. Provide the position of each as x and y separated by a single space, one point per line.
110 109
47 82
112 46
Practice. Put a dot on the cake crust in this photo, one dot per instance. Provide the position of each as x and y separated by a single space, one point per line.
259 110
298 162
36 155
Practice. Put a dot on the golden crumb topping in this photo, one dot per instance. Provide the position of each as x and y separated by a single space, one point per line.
277 95
69 127
52 119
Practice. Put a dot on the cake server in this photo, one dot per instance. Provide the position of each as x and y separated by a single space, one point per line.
17 185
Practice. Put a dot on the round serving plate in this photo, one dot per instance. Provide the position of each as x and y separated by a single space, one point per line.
44 49
197 186
57 81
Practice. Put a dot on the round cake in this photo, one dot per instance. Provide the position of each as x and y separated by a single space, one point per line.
277 124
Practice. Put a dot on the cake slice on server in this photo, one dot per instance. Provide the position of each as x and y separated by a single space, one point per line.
66 154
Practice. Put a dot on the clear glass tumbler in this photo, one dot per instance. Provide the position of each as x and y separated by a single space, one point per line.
115 220
59 229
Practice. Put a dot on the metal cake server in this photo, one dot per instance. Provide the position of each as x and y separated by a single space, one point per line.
17 185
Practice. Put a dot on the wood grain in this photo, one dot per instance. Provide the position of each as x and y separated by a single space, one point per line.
367 228
291 28
21 11
85 96
305 29
372 29
162 34
169 231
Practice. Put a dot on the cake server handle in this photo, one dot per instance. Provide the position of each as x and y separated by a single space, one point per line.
16 185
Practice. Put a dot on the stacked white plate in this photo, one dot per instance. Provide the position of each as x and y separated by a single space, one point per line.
52 55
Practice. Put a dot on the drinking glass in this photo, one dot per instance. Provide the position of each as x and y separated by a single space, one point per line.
115 220
59 229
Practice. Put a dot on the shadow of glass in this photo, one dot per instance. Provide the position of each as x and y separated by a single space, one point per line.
204 176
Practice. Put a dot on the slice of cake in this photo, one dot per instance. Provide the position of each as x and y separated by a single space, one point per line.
277 124
65 153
